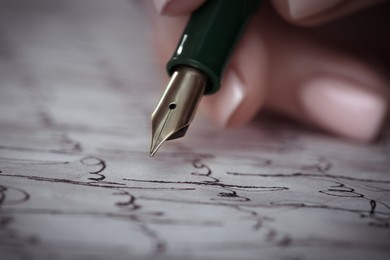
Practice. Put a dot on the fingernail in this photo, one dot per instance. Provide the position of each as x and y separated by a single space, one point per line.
344 108
225 103
160 5
300 9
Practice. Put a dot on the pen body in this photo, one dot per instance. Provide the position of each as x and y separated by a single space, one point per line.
210 37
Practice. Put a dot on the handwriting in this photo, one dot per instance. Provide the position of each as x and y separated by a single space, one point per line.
94 161
76 181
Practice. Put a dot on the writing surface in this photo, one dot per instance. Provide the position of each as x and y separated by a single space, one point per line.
79 82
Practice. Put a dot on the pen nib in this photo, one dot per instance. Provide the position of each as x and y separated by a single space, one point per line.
177 106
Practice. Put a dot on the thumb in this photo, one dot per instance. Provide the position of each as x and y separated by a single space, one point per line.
176 7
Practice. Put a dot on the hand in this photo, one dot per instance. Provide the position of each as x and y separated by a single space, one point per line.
315 61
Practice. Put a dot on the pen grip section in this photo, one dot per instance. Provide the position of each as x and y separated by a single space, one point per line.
210 37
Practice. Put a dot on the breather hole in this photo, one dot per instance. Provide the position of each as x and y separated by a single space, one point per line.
172 106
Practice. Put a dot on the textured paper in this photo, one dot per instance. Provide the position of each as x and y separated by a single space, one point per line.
78 84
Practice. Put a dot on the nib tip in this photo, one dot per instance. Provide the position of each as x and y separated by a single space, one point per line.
152 153
155 146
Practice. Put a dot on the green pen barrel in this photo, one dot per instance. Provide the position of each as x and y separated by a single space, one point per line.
210 37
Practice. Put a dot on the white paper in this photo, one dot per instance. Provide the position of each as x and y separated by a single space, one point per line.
78 84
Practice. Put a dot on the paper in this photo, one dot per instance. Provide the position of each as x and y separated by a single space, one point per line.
78 85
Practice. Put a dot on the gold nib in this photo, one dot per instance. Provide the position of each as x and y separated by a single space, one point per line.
177 106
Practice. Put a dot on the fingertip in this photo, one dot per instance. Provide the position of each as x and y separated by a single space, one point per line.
315 12
300 9
344 107
176 7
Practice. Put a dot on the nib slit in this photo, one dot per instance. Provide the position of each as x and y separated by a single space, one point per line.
156 143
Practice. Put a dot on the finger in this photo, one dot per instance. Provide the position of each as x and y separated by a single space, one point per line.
176 7
243 87
319 84
313 12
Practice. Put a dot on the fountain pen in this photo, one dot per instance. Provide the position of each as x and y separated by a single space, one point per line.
197 64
